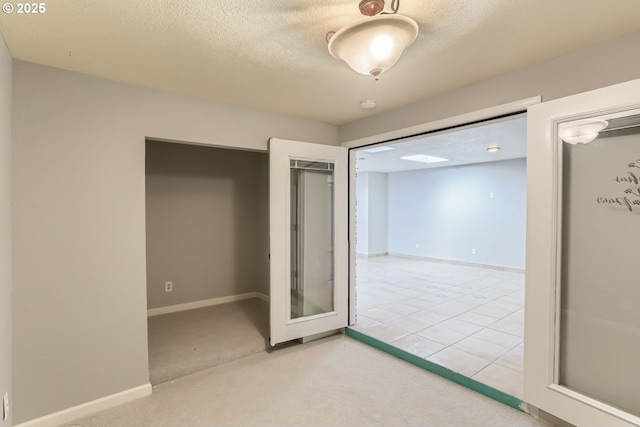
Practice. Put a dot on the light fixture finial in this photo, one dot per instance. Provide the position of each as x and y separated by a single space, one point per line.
371 7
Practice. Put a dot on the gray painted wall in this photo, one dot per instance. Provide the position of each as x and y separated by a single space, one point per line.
5 227
203 217
448 211
378 202
80 325
601 65
263 227
371 213
362 213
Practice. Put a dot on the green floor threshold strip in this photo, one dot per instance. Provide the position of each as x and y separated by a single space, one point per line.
465 381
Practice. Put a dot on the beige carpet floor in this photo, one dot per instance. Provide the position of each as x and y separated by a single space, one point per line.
335 381
189 341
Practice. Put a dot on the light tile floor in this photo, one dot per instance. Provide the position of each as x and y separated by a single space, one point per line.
468 319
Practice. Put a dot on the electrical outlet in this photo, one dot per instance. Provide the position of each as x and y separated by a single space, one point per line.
168 286
417 246
5 406
473 251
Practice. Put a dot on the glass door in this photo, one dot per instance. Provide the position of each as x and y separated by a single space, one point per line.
582 295
308 239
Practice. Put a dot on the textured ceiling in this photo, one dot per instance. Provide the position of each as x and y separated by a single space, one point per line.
272 55
460 146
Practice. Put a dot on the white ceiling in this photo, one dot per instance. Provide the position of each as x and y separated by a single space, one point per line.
459 146
272 55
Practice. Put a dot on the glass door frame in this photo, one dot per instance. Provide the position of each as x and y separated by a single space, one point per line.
542 290
282 326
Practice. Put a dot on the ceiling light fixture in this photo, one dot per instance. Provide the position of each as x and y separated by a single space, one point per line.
424 158
581 131
373 45
493 148
378 149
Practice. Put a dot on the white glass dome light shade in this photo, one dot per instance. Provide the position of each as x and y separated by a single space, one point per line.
581 131
373 45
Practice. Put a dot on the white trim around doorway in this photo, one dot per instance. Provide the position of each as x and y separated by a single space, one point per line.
453 121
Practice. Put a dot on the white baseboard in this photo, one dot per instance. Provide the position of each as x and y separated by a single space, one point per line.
204 303
465 263
262 296
89 408
373 255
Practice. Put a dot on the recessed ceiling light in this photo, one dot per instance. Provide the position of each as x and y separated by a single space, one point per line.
378 149
424 158
493 148
368 104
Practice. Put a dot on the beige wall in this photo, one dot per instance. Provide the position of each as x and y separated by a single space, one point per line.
203 213
5 226
601 65
80 325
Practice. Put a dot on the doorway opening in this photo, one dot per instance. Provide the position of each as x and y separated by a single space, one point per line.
207 256
440 248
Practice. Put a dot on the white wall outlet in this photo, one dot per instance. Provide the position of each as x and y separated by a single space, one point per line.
417 246
168 286
491 195
5 406
473 251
